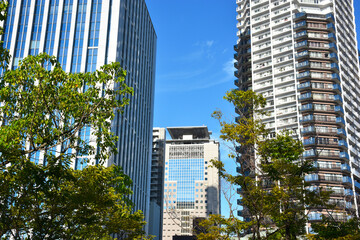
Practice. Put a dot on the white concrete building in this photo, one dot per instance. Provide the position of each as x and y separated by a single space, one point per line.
302 56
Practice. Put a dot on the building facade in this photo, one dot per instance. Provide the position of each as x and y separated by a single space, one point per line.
302 56
157 183
84 35
192 187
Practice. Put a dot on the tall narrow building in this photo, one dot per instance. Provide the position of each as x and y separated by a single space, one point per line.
157 183
302 56
84 35
192 187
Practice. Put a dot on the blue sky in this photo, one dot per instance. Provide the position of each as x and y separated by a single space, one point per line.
195 62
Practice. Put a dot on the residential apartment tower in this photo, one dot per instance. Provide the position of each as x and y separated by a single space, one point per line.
302 56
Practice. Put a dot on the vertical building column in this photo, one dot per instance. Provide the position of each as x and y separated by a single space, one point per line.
30 27
114 30
72 35
44 24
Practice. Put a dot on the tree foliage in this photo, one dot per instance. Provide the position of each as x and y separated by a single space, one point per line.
330 229
274 195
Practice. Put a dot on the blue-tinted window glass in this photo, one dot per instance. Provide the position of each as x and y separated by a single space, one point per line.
79 36
9 23
37 26
93 36
185 172
51 28
65 32
21 32
84 135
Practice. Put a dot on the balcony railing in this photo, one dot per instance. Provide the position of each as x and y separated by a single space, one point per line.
300 24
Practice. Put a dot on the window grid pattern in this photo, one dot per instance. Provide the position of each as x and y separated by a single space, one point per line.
9 24
79 36
21 32
84 134
35 157
93 36
65 33
51 28
186 165
37 26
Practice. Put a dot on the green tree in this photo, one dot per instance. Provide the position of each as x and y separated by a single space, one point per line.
44 115
331 229
275 197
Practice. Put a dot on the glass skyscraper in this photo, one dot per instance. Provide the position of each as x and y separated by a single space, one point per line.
84 35
302 56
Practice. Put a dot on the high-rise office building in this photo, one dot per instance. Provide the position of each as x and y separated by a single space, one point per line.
302 56
157 183
192 187
84 35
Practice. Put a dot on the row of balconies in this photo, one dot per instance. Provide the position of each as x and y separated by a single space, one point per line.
242 52
332 166
320 97
322 108
319 86
304 25
315 35
328 178
316 65
325 153
323 130
317 75
309 44
325 141
302 15
316 55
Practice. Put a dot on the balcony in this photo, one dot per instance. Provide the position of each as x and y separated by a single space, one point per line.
300 35
347 180
306 96
320 141
330 27
301 45
306 107
304 85
299 15
333 47
332 37
302 54
340 120
344 155
339 109
334 57
345 167
341 132
327 166
330 17
320 131
302 65
302 75
300 25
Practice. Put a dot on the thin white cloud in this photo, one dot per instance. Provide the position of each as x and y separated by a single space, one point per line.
224 76
229 68
209 43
